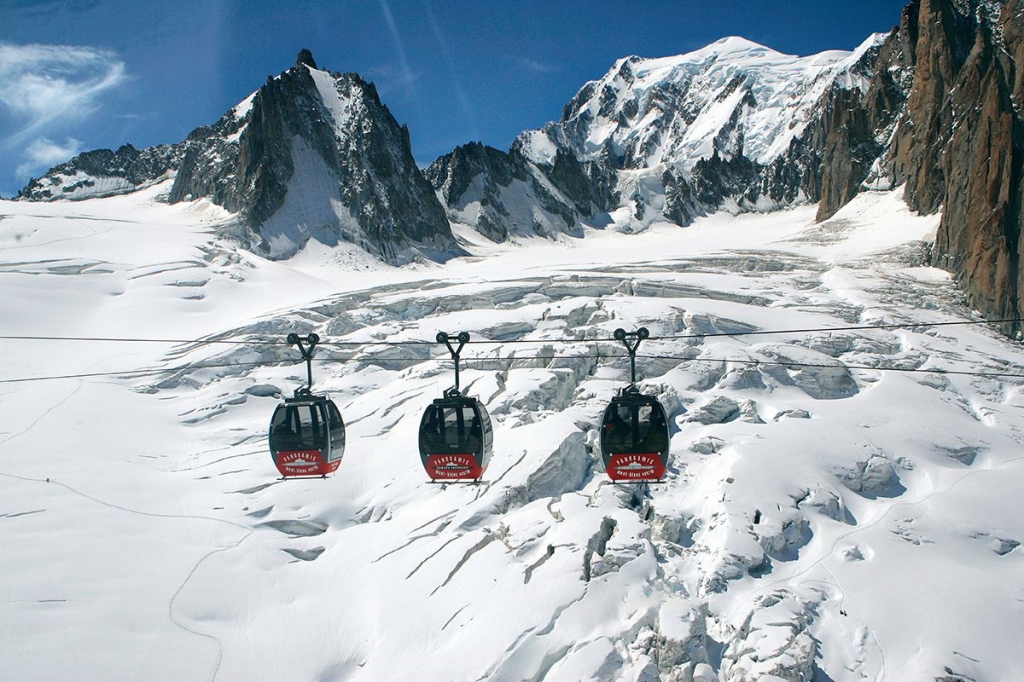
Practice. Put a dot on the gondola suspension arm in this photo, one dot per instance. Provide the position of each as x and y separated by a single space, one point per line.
446 339
625 337
307 354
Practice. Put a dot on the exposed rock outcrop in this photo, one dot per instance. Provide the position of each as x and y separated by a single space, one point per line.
940 119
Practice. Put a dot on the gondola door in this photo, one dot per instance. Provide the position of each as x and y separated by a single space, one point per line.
335 432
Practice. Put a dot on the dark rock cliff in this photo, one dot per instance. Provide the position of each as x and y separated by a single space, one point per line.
942 118
980 170
353 155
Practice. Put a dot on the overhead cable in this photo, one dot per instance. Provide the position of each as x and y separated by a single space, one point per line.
415 342
369 360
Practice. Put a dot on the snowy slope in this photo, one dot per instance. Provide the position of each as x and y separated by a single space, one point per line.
824 516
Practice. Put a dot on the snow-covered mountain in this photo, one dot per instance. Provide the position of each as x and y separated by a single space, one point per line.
665 139
733 97
309 154
933 106
839 505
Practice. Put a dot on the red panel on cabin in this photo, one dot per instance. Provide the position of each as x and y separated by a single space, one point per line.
636 467
304 463
452 467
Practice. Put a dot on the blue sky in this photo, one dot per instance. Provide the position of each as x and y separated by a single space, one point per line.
77 75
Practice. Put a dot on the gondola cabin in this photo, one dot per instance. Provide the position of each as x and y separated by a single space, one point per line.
307 436
635 438
455 439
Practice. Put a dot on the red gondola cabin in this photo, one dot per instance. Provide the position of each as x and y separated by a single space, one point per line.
455 438
307 436
635 438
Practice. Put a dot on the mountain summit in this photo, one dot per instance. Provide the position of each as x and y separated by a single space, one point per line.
316 154
664 139
311 154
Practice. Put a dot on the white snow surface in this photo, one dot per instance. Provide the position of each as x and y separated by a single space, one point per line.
824 516
338 105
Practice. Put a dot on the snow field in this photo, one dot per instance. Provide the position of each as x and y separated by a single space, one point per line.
822 518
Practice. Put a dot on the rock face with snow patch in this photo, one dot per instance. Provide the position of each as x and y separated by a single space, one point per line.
507 195
977 110
941 116
103 172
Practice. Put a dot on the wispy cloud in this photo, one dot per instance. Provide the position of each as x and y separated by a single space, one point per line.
467 109
538 67
44 84
46 8
43 153
407 77
392 81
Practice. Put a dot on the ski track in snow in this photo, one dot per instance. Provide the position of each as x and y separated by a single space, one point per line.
170 605
819 521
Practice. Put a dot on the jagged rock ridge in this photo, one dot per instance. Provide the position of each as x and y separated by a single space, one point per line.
103 172
943 110
310 154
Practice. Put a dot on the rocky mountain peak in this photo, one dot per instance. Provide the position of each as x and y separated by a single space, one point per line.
310 155
319 156
305 57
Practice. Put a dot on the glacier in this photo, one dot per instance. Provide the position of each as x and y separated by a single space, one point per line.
842 499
